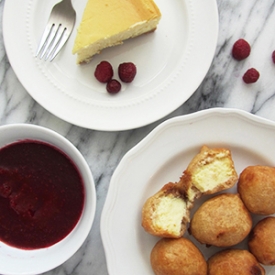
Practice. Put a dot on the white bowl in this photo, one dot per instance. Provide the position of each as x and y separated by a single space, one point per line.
16 261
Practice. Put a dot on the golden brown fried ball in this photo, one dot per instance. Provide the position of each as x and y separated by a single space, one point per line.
221 221
262 241
177 257
234 262
257 189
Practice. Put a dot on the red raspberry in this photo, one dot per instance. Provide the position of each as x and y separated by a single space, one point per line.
127 72
273 57
113 86
241 49
104 72
251 76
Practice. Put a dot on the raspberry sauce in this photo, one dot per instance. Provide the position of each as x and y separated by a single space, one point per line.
41 195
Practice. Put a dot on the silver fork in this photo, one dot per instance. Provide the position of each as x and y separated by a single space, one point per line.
58 29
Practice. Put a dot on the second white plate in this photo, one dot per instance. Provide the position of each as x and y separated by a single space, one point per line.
161 157
171 63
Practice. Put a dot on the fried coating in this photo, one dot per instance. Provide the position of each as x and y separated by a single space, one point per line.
166 213
221 221
261 241
177 257
257 189
210 171
234 262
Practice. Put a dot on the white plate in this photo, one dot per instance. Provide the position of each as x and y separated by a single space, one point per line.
171 63
162 157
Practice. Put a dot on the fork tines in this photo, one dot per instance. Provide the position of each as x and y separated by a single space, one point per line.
54 37
57 31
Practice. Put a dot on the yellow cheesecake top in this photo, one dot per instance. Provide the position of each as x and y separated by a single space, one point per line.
105 18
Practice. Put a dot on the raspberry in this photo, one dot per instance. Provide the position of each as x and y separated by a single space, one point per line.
104 72
251 76
241 49
113 86
273 57
127 72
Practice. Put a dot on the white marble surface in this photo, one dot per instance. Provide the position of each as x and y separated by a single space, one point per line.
222 87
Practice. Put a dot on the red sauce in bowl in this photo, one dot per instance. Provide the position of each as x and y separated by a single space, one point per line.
41 194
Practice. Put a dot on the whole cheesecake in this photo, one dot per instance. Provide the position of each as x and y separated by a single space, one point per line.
107 23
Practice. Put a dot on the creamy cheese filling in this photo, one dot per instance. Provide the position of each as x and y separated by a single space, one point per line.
210 174
169 214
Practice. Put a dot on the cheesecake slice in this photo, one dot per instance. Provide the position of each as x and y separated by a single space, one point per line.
107 23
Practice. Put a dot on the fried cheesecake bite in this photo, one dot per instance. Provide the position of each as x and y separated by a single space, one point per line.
177 257
261 241
257 189
166 213
221 221
234 262
210 171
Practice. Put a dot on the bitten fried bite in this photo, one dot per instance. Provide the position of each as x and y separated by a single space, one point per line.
166 213
257 189
210 171
234 262
221 221
262 241
177 257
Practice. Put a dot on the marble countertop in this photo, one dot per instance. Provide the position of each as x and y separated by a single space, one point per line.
222 87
